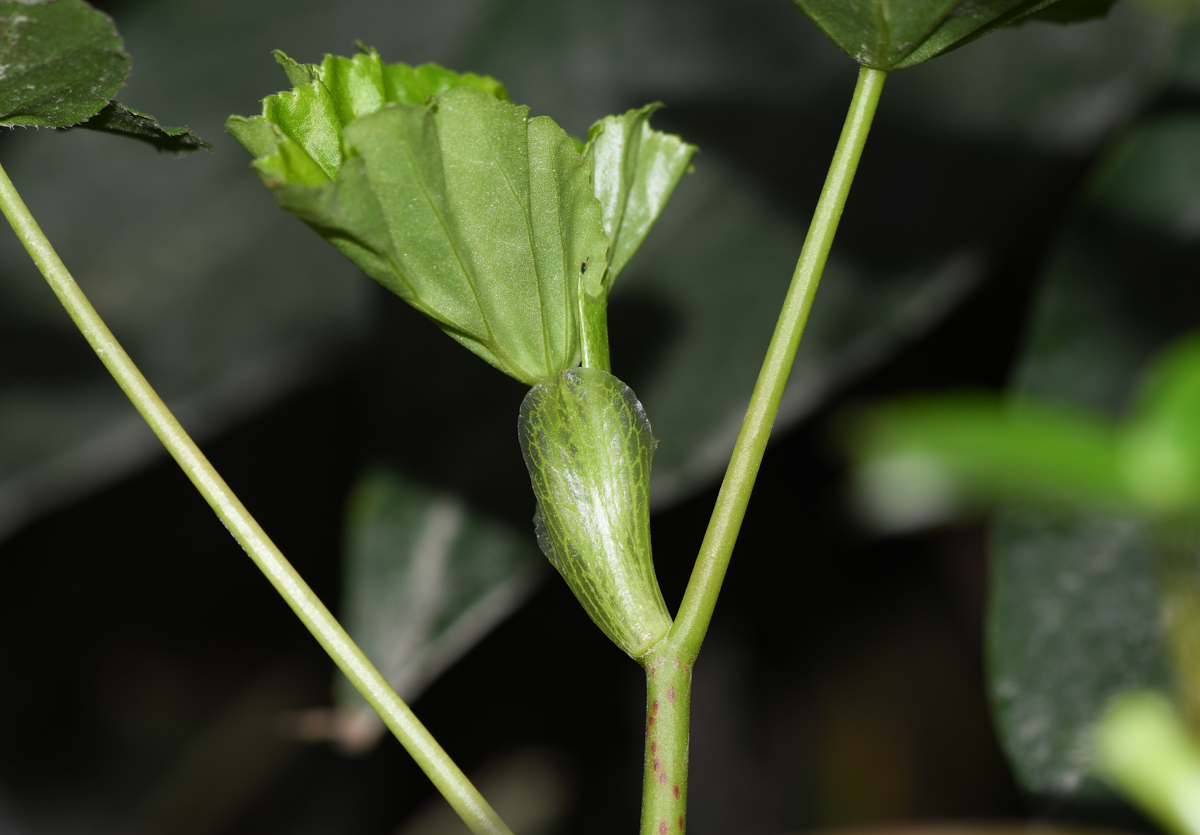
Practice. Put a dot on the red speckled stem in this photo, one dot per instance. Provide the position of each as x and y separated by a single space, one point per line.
668 704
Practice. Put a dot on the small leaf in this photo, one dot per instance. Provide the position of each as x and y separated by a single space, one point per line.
894 34
636 169
60 62
125 121
473 213
425 578
587 444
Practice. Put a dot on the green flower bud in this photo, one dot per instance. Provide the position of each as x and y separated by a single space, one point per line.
587 444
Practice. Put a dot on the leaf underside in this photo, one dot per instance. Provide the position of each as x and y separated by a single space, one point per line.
894 34
636 169
475 214
125 121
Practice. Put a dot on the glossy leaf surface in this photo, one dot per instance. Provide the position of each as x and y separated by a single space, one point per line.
472 212
1075 618
425 577
61 62
894 34
635 168
587 444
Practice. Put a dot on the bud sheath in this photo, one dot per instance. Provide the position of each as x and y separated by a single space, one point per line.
587 444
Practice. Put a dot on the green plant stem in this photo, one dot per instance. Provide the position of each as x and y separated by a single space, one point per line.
669 662
695 612
450 781
593 330
664 782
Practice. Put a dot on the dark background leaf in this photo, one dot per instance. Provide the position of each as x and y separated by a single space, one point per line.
1074 620
894 34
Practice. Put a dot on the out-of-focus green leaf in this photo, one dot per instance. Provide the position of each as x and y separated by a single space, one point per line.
926 459
125 121
894 34
472 212
1149 754
60 62
425 578
636 169
1074 11
587 443
1074 613
1162 450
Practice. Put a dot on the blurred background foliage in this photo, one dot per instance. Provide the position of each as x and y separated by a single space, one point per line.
1026 213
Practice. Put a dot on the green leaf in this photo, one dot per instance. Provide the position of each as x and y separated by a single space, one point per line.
304 125
425 577
894 34
587 444
636 169
923 460
60 62
125 121
476 215
1075 617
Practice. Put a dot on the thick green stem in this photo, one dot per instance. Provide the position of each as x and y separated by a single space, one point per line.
664 784
450 781
696 610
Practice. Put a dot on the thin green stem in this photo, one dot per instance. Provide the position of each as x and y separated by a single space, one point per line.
450 781
696 610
